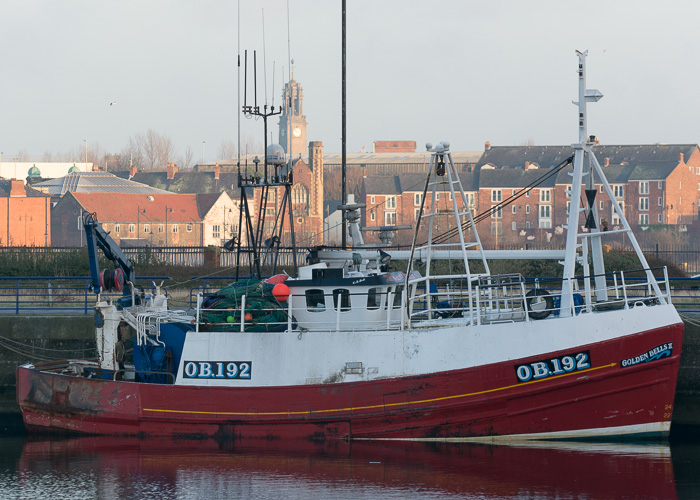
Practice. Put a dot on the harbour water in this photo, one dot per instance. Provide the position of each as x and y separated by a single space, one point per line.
126 468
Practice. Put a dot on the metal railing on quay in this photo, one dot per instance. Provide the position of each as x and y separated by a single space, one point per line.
28 294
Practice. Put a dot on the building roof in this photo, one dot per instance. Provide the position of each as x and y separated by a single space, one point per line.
92 182
147 208
6 186
422 157
189 182
508 178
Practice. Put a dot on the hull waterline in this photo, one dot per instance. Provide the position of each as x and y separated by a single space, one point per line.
618 394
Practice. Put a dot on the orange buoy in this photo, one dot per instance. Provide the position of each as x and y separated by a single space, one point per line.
281 292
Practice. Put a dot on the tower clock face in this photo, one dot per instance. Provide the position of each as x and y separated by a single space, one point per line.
296 132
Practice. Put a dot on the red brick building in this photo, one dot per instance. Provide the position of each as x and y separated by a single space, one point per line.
26 215
654 184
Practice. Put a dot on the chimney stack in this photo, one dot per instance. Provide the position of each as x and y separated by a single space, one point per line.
487 145
171 170
132 171
680 158
17 189
527 165
217 172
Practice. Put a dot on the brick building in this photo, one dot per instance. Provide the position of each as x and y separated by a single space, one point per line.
654 184
135 219
26 215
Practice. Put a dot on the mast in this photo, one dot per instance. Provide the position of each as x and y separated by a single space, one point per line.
585 164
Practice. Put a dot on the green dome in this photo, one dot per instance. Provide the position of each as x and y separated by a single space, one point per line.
73 169
34 172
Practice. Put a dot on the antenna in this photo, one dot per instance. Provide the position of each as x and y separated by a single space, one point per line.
238 148
288 101
264 55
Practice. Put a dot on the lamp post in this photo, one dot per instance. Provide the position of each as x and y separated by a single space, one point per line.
166 223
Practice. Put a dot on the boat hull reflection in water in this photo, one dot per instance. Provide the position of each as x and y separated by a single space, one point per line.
129 468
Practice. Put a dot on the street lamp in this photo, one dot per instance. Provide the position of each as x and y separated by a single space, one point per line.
138 223
166 223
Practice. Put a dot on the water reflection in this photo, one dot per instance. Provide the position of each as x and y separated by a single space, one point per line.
131 468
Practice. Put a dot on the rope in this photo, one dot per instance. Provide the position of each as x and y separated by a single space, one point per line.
41 353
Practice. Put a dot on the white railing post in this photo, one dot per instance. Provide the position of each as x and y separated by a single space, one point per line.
243 313
199 309
624 288
289 313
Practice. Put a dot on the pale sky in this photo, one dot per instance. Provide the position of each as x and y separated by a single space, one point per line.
461 71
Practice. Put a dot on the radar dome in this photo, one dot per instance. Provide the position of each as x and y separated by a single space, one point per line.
275 155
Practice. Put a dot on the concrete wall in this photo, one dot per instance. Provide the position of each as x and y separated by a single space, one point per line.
62 337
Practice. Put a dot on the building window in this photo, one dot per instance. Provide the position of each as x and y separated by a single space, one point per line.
496 195
527 225
416 214
496 212
545 195
372 217
661 184
161 228
515 209
527 209
437 196
661 201
619 191
602 205
515 191
371 200
661 218
643 187
146 228
216 231
602 189
545 221
568 206
471 197
527 193
117 228
417 198
643 219
513 226
567 191
300 195
175 230
644 203
497 228
391 202
389 218
132 228
189 228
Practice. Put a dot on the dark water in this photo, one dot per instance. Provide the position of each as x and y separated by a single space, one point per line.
125 468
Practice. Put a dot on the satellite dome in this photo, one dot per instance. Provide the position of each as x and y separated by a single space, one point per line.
275 155
34 172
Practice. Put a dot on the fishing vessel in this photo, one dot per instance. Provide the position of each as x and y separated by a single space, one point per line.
346 348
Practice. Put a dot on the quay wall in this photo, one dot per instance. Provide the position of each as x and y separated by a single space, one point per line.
29 338
35 338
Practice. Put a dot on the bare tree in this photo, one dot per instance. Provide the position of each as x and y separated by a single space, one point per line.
48 156
250 145
151 149
186 159
227 150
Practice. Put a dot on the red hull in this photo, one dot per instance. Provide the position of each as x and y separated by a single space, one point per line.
488 400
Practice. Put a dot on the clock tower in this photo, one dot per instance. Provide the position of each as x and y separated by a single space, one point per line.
292 123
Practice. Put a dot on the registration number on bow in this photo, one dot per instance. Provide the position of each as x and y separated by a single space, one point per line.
553 366
218 369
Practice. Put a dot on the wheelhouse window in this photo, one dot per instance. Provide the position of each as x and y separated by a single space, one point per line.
373 299
315 300
342 296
